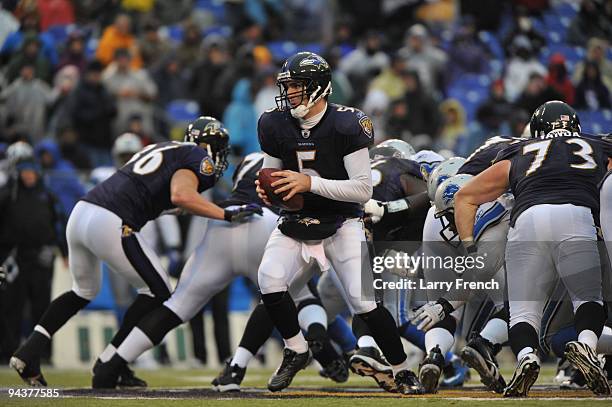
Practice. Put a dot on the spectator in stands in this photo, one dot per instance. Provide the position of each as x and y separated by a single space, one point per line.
365 62
593 20
454 124
26 101
8 23
118 36
133 89
596 52
523 27
516 123
558 78
376 106
171 12
241 66
74 53
536 93
55 12
189 52
591 92
487 14
520 67
343 89
32 226
171 80
29 24
487 125
241 120
390 80
207 73
59 175
71 149
92 109
64 83
421 56
152 47
266 90
467 53
30 54
422 115
398 121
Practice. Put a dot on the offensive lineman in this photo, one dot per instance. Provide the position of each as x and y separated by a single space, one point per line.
323 151
105 224
554 178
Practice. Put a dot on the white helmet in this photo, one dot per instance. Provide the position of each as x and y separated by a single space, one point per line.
19 151
403 147
441 173
127 143
445 204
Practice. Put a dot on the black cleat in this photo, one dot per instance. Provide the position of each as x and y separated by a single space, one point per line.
479 354
336 370
292 363
106 375
127 377
525 375
586 360
431 369
406 382
28 370
229 379
368 361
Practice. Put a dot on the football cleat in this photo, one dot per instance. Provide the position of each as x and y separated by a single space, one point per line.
336 370
406 382
229 379
431 369
479 354
585 359
368 361
28 370
127 378
525 375
564 371
292 363
106 375
574 382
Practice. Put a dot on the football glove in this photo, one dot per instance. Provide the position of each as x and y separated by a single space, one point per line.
375 209
242 213
431 313
3 275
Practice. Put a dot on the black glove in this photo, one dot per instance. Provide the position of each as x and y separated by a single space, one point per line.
242 213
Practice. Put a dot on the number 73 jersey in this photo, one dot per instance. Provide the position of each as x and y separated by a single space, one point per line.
318 151
559 168
140 190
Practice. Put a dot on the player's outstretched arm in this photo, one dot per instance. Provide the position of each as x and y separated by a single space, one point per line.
485 187
184 194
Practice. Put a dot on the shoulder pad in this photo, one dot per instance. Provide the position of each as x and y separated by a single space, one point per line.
350 120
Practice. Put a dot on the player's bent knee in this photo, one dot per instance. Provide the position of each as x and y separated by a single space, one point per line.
86 293
158 323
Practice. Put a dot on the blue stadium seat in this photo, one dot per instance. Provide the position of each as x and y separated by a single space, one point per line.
596 121
493 43
282 50
172 32
215 7
222 30
59 33
568 10
182 110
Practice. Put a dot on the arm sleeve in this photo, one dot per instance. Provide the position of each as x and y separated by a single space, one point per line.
271 162
358 188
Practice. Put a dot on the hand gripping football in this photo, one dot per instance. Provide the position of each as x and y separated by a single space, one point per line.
265 182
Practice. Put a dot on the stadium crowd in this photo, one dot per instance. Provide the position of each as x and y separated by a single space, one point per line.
440 74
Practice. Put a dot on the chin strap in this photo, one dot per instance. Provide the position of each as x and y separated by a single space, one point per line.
302 110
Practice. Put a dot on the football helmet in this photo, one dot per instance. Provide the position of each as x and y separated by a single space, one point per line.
211 132
125 146
377 152
403 147
313 72
441 173
553 115
445 203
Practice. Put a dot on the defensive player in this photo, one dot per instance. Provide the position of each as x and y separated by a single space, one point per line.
105 224
322 150
552 232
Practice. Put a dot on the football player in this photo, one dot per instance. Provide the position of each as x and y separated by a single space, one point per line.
554 178
322 151
105 224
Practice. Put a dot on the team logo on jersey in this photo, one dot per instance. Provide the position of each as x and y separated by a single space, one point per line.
207 167
126 231
449 193
305 133
367 126
309 221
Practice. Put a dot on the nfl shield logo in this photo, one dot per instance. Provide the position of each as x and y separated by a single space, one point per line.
305 133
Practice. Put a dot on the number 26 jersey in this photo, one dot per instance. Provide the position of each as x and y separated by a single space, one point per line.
140 190
559 168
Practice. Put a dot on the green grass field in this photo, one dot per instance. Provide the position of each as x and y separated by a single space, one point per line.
308 382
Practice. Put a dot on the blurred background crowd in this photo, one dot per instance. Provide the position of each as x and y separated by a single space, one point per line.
440 74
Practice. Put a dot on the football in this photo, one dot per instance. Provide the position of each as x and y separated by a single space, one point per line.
265 181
